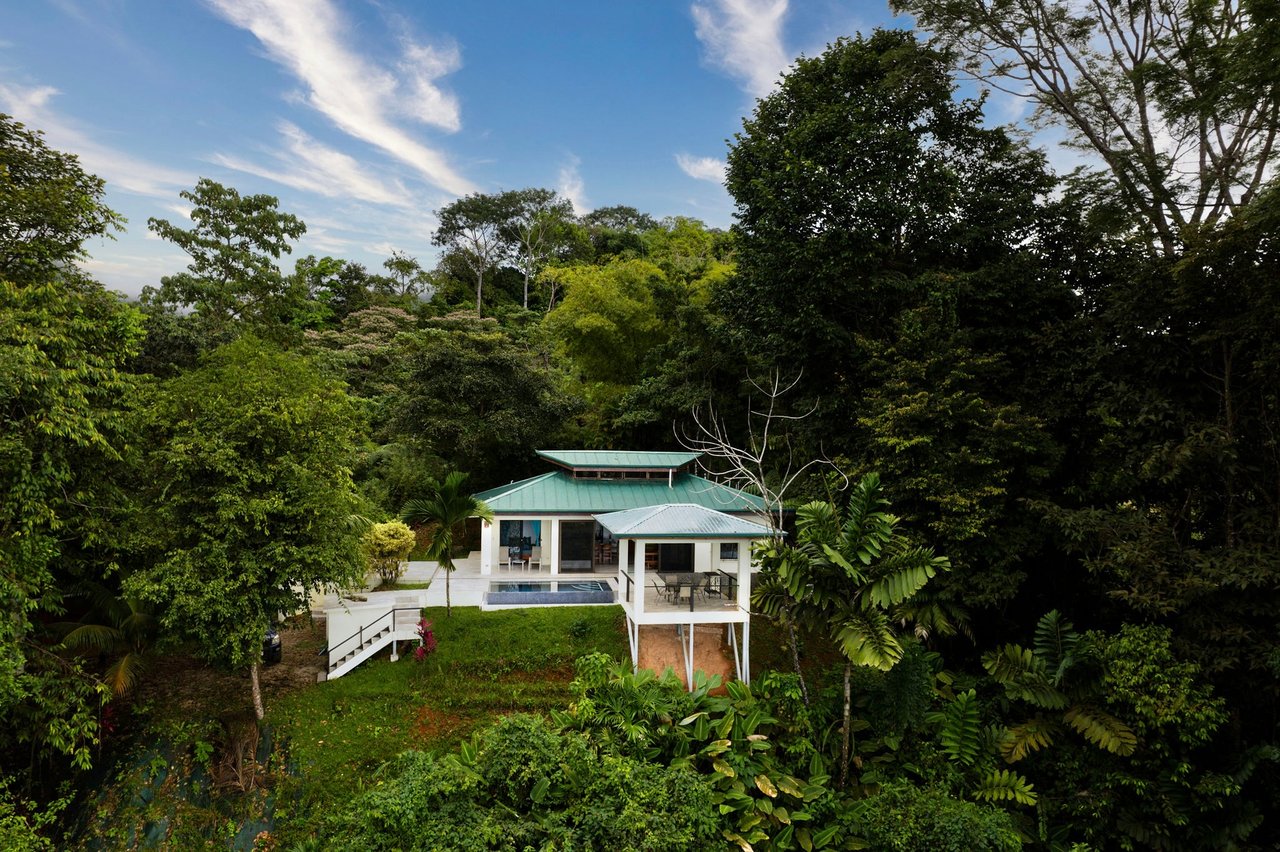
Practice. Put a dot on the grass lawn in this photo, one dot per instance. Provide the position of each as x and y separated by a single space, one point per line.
485 665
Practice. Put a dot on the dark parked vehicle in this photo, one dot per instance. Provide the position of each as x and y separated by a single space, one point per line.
272 648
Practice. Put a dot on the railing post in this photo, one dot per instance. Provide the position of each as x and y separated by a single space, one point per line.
361 644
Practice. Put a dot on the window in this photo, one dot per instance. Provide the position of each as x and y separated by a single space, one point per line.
729 550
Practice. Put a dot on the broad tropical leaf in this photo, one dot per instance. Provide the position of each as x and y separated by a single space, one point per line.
1102 729
1004 785
1031 735
1023 676
961 733
1056 641
905 573
867 638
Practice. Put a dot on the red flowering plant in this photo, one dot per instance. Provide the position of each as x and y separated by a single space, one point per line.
426 640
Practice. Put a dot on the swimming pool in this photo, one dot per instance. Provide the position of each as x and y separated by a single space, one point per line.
554 592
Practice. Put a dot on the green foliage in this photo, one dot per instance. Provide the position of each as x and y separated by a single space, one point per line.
124 628
906 818
960 728
386 546
23 824
479 397
64 343
1023 676
727 739
523 785
445 507
1100 728
251 497
610 318
1005 785
1167 698
49 206
234 244
1032 735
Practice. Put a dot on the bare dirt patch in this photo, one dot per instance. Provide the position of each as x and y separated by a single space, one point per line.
184 684
431 725
660 648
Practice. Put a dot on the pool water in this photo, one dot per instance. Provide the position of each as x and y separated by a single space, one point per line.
576 586
573 592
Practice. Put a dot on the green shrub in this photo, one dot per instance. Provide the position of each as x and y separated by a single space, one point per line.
523 785
903 818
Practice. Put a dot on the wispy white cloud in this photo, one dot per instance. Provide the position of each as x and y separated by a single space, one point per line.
702 168
360 96
121 171
312 166
421 66
570 186
744 38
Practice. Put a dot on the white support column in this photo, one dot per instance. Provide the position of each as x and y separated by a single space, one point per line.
733 643
744 579
746 651
633 639
551 543
688 660
638 571
488 542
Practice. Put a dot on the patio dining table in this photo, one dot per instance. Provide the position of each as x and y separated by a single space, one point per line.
682 584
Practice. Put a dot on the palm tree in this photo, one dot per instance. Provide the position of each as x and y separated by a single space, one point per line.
116 626
445 507
853 577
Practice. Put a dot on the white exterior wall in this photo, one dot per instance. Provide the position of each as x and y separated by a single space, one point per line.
702 555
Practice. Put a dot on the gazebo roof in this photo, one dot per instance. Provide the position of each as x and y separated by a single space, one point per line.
679 520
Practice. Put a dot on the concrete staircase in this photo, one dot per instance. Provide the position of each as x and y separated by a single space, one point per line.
374 629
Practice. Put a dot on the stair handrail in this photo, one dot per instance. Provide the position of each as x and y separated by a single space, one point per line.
360 633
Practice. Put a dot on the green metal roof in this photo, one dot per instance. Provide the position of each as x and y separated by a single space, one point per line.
618 459
558 492
679 520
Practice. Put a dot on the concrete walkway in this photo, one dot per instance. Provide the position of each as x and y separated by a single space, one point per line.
466 585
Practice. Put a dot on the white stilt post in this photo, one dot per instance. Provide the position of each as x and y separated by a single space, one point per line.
733 642
688 661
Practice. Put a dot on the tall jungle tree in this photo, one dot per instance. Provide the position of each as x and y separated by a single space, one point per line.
251 499
64 343
234 242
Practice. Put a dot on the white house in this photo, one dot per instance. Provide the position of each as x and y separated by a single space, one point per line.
548 523
679 545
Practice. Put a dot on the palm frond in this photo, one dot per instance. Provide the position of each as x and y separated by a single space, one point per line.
1102 729
961 728
867 638
1023 676
1055 643
1032 735
93 637
1004 785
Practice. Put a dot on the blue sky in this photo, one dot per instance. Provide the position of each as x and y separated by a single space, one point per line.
366 116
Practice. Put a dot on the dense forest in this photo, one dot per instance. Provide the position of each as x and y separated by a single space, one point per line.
1033 572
